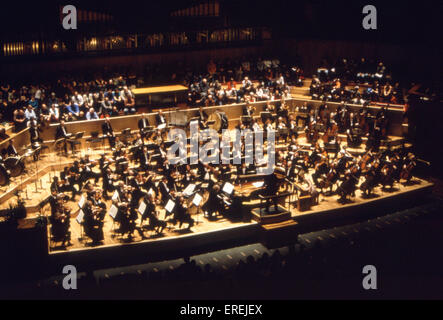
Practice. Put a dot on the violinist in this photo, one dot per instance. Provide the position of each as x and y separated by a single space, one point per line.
407 168
372 178
60 218
95 211
164 190
107 183
352 176
86 169
181 214
144 159
213 205
150 213
125 214
321 167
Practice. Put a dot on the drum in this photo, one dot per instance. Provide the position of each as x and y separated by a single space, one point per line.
4 177
15 166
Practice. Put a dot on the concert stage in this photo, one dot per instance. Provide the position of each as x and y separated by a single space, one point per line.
213 235
207 233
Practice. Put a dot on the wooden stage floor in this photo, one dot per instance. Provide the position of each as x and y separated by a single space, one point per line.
203 225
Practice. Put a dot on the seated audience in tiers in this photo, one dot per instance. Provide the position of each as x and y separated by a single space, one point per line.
67 100
244 81
355 82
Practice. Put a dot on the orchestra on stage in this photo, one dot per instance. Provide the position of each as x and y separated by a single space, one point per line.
142 191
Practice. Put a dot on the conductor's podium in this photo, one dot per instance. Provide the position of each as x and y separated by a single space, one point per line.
275 215
278 227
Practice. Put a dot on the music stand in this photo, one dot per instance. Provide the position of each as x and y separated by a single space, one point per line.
73 141
58 145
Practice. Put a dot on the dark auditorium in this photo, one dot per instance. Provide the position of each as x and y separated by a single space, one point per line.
201 151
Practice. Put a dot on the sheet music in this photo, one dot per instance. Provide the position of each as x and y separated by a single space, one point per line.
142 207
113 211
81 203
170 205
80 217
228 188
258 184
115 195
162 126
197 199
189 189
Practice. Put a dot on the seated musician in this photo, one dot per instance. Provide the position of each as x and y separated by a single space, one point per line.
87 172
61 186
308 186
164 190
107 183
125 214
67 181
160 119
137 184
188 176
203 117
11 151
181 214
150 213
95 212
34 132
143 124
60 219
75 173
144 159
213 205
61 132
108 132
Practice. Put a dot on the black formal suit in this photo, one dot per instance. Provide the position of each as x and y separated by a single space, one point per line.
142 124
61 132
160 119
144 160
109 132
164 191
34 133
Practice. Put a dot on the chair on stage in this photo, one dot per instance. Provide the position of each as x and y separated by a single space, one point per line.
75 141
